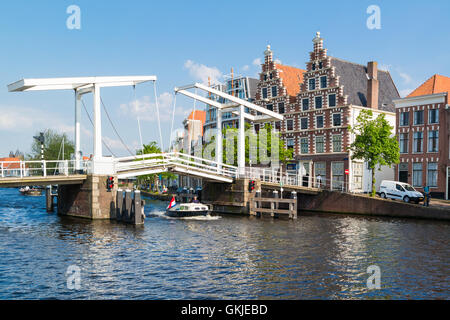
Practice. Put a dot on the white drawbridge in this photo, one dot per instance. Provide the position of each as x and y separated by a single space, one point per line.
175 162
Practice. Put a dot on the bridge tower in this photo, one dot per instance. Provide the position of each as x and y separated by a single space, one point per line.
91 199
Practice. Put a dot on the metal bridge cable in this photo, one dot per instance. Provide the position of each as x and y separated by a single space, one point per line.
89 117
159 120
173 119
114 128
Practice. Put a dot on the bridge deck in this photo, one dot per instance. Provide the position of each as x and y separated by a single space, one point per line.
298 189
41 181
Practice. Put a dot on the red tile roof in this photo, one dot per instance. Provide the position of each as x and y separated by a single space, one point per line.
436 84
9 166
291 77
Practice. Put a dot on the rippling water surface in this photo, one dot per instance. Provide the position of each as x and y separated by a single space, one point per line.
228 257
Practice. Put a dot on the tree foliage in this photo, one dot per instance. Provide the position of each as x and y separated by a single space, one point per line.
52 146
253 140
374 142
150 148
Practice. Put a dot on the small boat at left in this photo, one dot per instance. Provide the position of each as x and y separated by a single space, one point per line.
33 191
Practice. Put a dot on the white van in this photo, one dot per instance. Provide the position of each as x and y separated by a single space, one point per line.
399 190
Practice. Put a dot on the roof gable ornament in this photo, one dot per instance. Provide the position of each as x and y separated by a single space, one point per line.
268 54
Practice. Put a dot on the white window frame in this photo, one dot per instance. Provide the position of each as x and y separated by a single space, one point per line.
309 104
307 123
321 98
437 174
340 140
293 124
428 141
335 100
323 143
401 119
315 84
415 144
307 144
323 122
332 119
320 82
437 116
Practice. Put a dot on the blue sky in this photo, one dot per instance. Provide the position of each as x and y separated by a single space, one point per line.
185 41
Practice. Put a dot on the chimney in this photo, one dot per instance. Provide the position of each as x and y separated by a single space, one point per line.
372 85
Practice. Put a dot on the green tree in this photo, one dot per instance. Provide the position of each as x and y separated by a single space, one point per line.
374 142
53 147
151 148
284 154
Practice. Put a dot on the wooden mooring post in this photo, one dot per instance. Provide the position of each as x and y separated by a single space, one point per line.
258 205
50 199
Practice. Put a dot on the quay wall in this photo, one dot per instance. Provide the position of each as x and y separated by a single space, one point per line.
337 202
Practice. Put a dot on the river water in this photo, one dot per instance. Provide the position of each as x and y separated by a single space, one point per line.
228 257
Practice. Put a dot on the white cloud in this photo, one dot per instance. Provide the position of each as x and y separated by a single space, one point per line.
257 62
246 67
278 61
202 72
406 77
403 93
13 118
384 67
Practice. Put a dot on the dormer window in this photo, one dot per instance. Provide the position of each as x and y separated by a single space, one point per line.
271 75
313 67
320 65
265 77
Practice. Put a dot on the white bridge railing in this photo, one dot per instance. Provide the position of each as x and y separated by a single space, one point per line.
174 159
22 169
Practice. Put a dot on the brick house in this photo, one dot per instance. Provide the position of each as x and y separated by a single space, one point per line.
10 167
277 88
329 98
423 128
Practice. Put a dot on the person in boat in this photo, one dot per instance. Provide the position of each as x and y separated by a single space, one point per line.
195 200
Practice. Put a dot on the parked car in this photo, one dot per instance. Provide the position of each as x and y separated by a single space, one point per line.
399 191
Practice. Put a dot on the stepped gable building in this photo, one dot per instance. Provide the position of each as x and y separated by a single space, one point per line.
423 129
330 96
278 87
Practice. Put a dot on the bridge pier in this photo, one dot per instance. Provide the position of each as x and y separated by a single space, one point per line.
89 200
229 197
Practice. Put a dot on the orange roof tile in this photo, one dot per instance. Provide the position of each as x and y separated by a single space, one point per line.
14 165
291 77
199 115
436 84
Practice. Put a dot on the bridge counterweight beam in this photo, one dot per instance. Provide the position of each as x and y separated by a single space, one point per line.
219 140
77 131
241 141
97 124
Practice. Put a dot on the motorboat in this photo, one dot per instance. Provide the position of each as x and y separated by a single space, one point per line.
182 210
188 210
27 191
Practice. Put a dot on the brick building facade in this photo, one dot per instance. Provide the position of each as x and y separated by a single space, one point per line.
328 99
423 128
